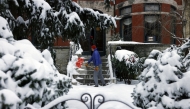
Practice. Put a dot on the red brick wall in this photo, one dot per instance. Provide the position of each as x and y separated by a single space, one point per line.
179 28
165 7
138 28
179 2
138 23
117 30
60 42
166 23
165 29
119 1
137 8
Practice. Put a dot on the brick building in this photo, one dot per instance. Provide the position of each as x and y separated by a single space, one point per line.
147 21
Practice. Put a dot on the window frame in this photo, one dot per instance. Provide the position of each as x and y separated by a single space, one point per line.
126 7
156 39
149 4
129 28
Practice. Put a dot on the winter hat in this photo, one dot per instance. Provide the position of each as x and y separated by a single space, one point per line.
93 46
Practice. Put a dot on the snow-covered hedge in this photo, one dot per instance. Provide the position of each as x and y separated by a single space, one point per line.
127 64
164 81
27 76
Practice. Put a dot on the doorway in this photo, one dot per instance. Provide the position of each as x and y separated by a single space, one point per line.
97 37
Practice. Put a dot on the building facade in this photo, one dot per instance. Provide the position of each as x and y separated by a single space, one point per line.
149 21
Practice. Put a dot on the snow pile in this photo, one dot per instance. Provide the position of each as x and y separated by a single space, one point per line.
164 80
26 74
71 67
126 55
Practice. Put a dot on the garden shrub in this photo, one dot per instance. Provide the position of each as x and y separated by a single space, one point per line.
127 65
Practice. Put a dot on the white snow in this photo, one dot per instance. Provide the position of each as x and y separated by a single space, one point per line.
120 92
18 58
5 31
120 54
20 65
110 67
71 67
10 98
39 4
128 42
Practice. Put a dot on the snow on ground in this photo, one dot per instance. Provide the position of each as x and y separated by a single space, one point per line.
117 91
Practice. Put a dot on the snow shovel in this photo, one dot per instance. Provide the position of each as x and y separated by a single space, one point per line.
89 66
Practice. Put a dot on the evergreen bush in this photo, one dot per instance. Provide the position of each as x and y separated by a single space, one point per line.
27 76
128 67
164 81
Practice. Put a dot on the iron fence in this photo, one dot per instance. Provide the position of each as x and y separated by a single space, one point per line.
87 99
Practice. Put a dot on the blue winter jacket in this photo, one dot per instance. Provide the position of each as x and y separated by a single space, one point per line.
95 58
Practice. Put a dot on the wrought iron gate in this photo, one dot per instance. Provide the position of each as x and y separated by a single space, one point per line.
86 99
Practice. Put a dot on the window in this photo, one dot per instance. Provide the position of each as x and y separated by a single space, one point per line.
173 9
152 28
152 7
127 29
125 10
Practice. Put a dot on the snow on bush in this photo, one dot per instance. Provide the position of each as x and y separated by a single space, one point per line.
27 76
127 64
164 80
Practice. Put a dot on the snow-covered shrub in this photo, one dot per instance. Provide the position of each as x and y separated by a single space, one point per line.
26 74
126 64
164 81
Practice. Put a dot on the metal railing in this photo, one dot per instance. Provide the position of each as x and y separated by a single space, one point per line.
87 100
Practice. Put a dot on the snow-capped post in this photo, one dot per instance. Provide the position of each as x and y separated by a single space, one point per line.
164 80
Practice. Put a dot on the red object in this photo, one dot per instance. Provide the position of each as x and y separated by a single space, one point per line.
93 46
79 62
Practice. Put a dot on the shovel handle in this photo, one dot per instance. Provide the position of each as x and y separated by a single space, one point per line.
89 66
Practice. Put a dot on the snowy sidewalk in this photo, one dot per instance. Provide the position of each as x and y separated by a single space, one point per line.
121 92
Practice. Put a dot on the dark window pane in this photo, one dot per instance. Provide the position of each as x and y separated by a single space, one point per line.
127 29
152 7
152 28
125 10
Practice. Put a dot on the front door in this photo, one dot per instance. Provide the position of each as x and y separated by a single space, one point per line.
96 37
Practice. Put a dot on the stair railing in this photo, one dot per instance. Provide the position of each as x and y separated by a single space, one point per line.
73 49
112 69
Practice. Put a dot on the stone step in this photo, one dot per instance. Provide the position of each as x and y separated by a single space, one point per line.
91 81
83 71
91 67
87 76
102 59
104 64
